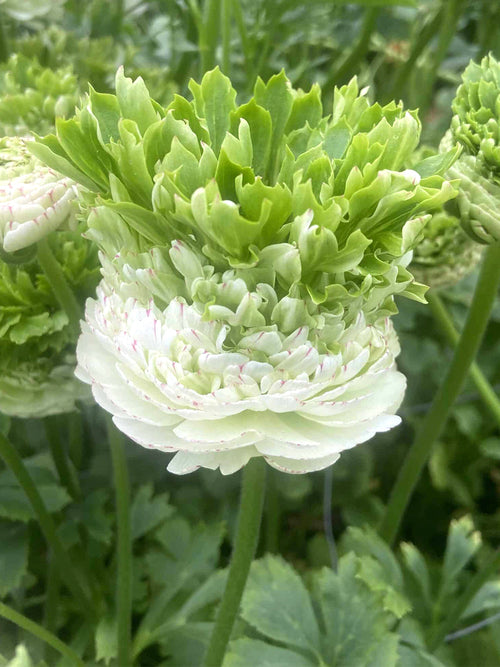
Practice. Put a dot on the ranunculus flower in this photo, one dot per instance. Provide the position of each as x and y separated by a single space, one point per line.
250 256
476 125
34 199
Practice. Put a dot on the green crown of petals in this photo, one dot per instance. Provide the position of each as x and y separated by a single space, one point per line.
329 193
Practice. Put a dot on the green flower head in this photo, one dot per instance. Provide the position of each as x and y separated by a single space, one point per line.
476 125
251 254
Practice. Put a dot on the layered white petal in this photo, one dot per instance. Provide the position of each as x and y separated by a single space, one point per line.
32 205
175 382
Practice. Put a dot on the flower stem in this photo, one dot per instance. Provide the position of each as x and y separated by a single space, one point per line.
70 574
40 632
446 395
272 515
454 615
226 37
57 281
352 60
124 545
484 388
245 545
209 34
65 469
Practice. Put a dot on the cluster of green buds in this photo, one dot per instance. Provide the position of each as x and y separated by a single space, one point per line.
251 254
476 125
32 96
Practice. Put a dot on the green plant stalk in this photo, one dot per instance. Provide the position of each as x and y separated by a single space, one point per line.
209 35
70 575
451 13
57 281
454 615
4 44
64 467
484 388
75 437
245 42
245 546
37 630
226 37
272 515
434 422
124 544
360 49
402 76
51 602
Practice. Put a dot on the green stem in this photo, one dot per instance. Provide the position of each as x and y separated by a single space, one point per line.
245 546
226 37
4 44
454 615
70 575
124 544
245 42
210 34
484 388
446 395
51 600
64 467
37 630
360 49
272 515
451 12
419 44
75 438
59 285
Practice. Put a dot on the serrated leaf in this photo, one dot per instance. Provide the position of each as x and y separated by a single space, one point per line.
214 100
252 652
463 542
13 555
134 100
346 603
106 639
278 605
148 511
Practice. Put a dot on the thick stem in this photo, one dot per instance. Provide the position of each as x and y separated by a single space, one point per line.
454 615
43 634
360 49
59 285
226 37
446 395
4 45
124 545
484 388
245 545
64 467
70 575
272 515
210 34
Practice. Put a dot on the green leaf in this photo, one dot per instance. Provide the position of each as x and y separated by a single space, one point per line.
276 96
260 123
278 605
463 542
106 639
13 555
353 616
214 100
306 108
107 112
148 512
134 100
252 652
